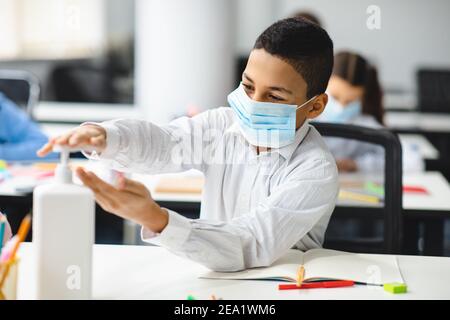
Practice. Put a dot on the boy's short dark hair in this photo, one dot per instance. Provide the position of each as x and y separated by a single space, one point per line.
305 46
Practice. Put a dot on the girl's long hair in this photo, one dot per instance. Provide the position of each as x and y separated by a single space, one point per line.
356 70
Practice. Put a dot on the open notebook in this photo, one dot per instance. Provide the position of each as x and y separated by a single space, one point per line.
323 264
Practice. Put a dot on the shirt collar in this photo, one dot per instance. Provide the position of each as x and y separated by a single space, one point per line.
286 151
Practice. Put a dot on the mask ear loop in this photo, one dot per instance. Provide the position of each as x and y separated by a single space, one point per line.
304 104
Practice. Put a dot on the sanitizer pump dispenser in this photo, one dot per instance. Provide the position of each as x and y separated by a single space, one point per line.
63 236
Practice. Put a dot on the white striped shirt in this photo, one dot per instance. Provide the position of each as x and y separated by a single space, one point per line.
254 207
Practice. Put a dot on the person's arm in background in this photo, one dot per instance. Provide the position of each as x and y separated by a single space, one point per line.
20 137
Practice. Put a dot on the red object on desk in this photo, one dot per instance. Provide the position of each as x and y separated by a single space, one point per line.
44 175
414 189
316 285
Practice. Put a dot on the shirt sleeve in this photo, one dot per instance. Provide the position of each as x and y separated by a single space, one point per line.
371 158
143 147
20 137
263 235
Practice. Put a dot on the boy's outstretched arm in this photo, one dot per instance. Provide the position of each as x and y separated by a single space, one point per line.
144 147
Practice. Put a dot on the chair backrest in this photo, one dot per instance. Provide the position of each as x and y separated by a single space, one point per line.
21 87
391 212
433 90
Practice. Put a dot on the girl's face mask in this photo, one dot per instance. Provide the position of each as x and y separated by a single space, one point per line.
338 113
264 124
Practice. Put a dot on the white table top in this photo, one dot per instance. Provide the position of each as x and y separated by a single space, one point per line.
429 122
437 186
403 101
56 129
425 147
82 112
144 272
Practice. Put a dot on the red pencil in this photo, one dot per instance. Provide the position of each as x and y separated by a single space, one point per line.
414 189
316 285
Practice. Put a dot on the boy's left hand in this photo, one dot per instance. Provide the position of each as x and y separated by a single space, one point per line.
129 200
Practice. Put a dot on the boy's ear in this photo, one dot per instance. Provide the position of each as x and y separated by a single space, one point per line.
317 106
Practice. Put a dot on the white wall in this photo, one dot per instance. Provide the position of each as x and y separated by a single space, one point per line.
413 32
184 56
119 20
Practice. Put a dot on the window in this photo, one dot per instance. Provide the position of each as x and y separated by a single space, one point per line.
51 29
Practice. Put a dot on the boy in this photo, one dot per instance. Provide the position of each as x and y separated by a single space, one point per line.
270 182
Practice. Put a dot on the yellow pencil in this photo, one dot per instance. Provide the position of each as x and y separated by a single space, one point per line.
22 234
300 275
344 194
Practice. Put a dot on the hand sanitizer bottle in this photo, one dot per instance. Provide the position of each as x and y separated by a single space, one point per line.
63 235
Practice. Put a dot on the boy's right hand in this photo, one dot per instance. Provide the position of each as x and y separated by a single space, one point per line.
92 136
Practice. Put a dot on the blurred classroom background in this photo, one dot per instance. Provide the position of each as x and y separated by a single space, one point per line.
96 60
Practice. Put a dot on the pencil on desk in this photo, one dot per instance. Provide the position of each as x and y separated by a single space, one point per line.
300 275
344 194
22 234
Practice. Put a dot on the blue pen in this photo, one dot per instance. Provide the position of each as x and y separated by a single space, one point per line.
2 231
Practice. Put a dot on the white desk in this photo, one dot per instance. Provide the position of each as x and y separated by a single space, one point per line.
56 129
425 147
82 112
144 272
438 187
403 101
428 122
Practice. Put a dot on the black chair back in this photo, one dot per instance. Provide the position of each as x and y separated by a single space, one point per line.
391 212
433 90
21 87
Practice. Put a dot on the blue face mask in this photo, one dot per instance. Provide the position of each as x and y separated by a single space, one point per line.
264 124
337 113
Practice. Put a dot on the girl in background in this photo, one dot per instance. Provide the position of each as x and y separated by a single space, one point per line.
355 97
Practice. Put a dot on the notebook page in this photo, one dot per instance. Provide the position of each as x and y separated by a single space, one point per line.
284 268
366 268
